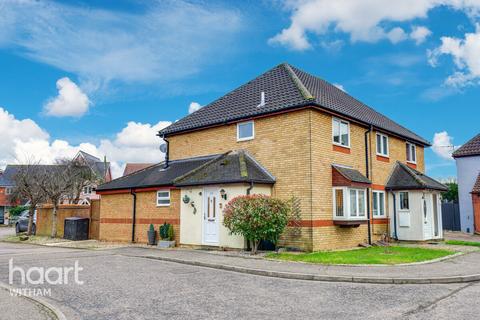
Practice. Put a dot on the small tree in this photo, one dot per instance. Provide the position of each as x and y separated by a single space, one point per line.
80 177
28 186
257 217
451 194
56 183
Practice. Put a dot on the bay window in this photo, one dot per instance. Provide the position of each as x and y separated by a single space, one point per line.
349 203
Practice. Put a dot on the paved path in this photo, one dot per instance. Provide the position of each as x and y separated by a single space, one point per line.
119 286
454 235
13 307
468 264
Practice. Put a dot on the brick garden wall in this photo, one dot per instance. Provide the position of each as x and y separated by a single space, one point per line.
116 215
44 217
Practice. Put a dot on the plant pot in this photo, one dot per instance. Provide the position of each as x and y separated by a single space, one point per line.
151 237
166 244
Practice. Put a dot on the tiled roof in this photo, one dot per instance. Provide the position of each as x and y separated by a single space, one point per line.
231 167
476 186
352 174
7 178
134 167
285 88
406 178
471 148
156 175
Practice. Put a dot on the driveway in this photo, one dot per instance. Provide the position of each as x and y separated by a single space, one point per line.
118 286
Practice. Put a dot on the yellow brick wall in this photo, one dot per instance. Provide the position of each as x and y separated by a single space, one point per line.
116 215
281 145
296 147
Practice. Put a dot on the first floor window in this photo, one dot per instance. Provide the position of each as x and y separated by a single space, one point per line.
349 203
404 204
87 190
341 132
245 131
378 203
8 191
382 145
411 153
163 198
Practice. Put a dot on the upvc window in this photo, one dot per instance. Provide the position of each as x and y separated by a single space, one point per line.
87 190
404 201
341 132
8 191
349 203
163 198
245 131
378 203
382 145
411 153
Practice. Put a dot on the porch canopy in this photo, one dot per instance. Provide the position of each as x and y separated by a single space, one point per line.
405 178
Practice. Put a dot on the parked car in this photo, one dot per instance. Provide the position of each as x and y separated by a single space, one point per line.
22 223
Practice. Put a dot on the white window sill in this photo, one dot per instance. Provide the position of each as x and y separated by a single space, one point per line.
245 139
340 145
383 155
411 162
163 205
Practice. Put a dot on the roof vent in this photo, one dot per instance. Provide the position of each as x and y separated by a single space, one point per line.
262 100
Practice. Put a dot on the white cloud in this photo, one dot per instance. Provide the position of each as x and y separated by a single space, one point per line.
340 86
419 34
465 53
194 106
165 41
24 140
70 101
443 145
361 20
396 35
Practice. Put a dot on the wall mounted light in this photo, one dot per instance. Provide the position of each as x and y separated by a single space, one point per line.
223 194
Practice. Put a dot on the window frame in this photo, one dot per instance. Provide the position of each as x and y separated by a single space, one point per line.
382 146
8 191
400 204
340 121
409 148
347 214
249 137
163 198
377 203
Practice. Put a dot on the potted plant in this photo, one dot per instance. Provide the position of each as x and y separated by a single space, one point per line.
151 233
167 236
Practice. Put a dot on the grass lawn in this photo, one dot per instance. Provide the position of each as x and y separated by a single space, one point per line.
372 255
463 243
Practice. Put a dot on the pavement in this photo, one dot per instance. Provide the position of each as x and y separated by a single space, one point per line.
118 285
14 307
457 235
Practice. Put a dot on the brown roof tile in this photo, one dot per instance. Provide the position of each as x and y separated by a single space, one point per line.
471 148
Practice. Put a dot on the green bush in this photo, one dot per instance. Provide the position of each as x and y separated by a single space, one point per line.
257 217
152 229
170 232
163 231
15 211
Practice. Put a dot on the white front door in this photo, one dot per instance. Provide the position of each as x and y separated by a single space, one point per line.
427 217
210 216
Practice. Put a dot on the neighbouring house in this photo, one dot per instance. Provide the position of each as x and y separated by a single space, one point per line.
6 187
134 167
356 174
467 158
101 171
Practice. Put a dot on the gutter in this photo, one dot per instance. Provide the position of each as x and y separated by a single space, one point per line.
134 213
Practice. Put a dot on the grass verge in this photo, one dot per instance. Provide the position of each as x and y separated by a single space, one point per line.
372 255
463 243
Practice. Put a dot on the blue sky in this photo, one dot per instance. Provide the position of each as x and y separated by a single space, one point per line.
103 76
